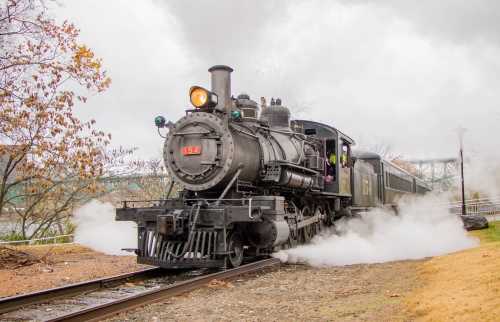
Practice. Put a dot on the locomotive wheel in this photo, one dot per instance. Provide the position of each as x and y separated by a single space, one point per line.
321 225
308 233
235 247
306 212
292 240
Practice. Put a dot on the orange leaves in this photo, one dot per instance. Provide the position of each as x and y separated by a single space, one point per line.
44 72
83 52
84 56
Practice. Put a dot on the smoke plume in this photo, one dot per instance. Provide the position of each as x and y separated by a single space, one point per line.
423 228
96 228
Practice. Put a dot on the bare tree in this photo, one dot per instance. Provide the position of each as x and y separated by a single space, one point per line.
385 151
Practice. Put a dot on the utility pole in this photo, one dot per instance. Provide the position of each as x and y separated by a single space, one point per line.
461 132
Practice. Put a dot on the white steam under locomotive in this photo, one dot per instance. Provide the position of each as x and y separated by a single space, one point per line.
254 181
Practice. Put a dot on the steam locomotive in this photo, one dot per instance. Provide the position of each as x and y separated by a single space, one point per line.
254 181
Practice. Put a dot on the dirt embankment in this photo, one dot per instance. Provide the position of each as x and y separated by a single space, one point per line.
47 266
463 286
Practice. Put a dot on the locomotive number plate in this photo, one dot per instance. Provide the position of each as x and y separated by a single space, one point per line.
191 150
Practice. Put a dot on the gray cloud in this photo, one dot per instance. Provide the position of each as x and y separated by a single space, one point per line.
395 72
231 29
456 20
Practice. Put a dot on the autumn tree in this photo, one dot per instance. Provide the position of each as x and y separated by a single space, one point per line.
44 72
49 202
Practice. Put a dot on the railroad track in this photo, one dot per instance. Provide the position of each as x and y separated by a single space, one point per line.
18 302
95 312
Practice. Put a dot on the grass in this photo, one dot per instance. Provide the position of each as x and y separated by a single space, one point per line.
490 235
69 228
17 236
12 236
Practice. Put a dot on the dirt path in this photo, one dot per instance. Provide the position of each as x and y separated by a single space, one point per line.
61 265
295 293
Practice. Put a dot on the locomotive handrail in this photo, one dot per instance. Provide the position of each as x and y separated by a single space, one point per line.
244 132
282 132
230 184
190 133
250 209
293 165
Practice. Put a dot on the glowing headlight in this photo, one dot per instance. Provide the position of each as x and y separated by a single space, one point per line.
200 97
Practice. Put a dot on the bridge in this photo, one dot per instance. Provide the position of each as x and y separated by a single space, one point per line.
441 173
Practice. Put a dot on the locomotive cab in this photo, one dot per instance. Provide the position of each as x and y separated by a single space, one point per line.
336 153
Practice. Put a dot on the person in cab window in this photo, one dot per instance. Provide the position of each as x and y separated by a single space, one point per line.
333 159
330 166
343 157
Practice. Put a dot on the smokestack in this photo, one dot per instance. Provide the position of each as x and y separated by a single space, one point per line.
221 85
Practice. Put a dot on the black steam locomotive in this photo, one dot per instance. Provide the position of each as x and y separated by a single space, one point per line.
254 182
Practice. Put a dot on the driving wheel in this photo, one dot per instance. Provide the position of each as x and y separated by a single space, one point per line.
235 247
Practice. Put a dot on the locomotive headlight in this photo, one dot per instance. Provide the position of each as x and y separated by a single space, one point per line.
201 97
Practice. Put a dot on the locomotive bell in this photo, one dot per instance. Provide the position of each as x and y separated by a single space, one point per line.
221 86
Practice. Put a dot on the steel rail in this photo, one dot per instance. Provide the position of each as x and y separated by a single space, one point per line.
102 311
13 303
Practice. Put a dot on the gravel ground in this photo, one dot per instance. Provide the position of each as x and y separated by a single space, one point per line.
295 293
61 265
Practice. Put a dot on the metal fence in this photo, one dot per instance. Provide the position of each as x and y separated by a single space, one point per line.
41 241
485 207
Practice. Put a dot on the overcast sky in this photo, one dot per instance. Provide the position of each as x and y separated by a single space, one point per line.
402 73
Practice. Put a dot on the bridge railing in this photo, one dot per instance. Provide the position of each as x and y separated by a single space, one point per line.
60 239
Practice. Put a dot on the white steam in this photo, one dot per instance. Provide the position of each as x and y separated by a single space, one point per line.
483 175
423 228
96 228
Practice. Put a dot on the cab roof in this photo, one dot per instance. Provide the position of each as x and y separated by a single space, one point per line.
325 130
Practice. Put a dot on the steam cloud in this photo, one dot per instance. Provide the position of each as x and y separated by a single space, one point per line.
97 229
423 228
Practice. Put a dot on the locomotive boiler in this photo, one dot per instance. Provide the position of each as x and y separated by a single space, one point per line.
253 181
210 146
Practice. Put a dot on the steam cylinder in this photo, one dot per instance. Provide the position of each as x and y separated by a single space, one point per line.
268 233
